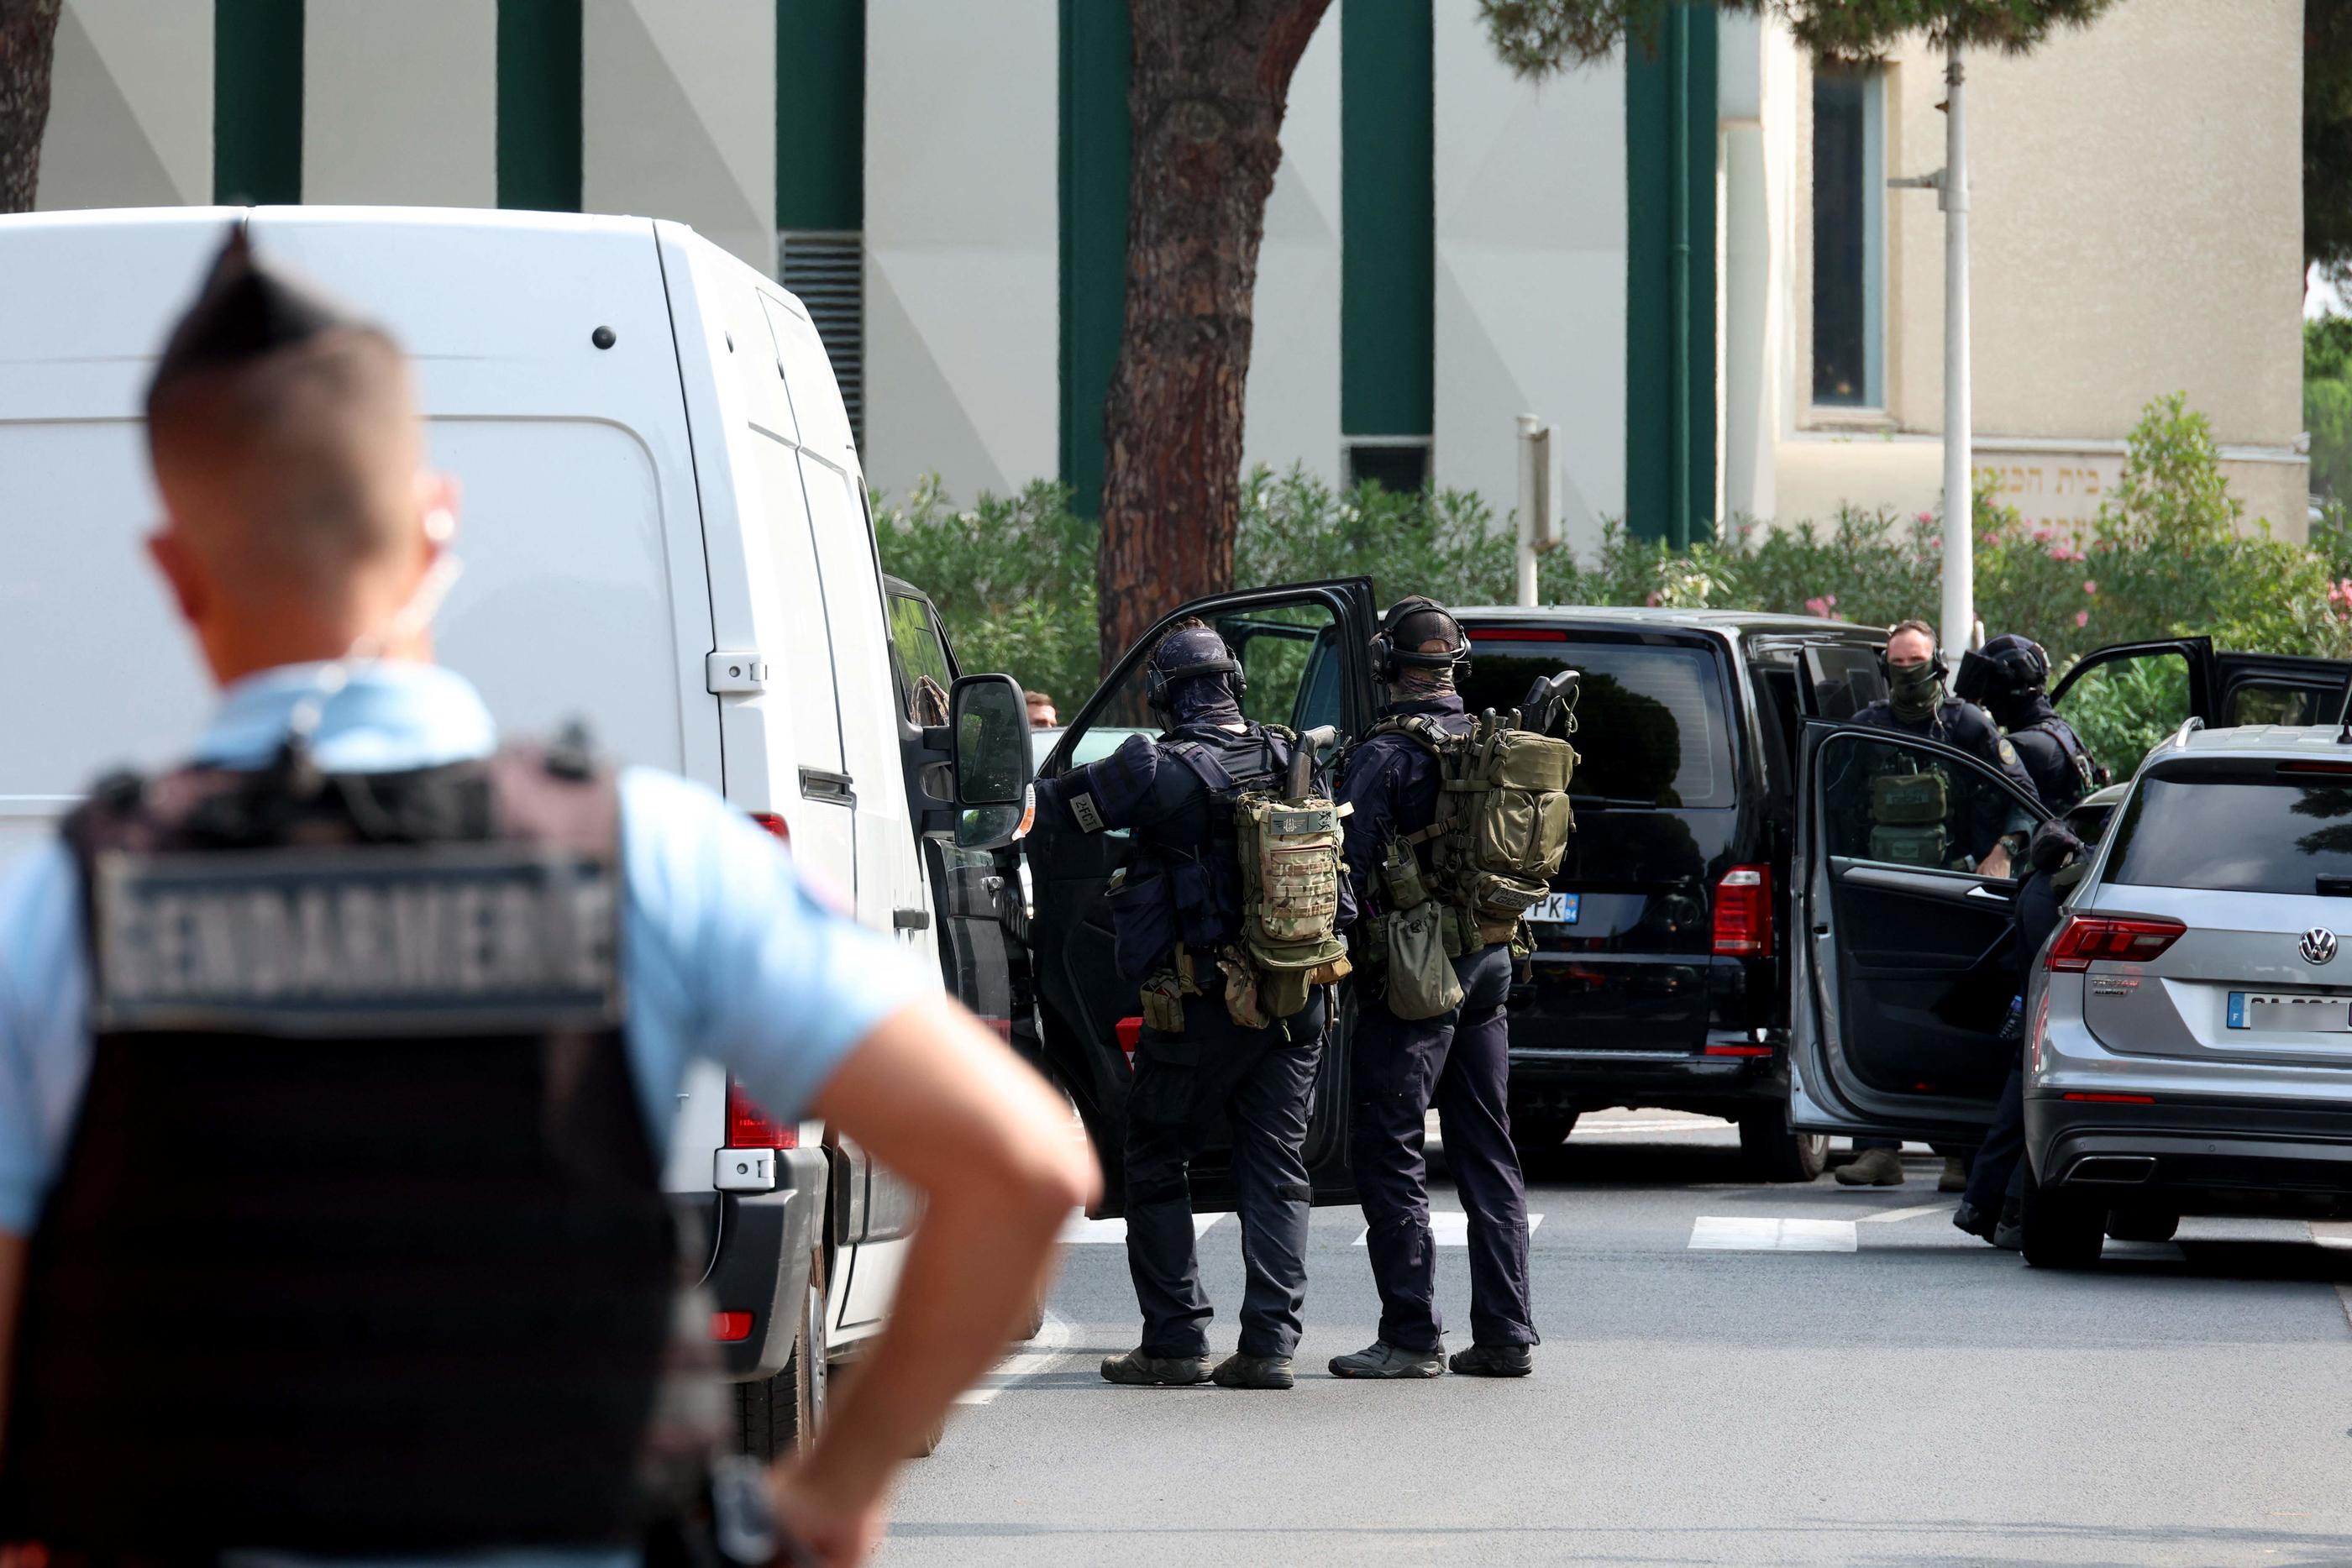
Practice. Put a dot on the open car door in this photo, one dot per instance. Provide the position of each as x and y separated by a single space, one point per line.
1840 680
2124 699
1907 958
1305 653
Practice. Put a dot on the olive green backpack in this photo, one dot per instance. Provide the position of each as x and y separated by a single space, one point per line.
1502 824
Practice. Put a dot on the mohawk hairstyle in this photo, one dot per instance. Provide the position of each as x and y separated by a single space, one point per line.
245 311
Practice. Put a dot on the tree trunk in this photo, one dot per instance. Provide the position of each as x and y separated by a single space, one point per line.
29 35
1210 81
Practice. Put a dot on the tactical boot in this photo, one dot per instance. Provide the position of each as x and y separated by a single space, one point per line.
1381 1359
1956 1175
1973 1220
1494 1361
1138 1369
1239 1371
1873 1168
2010 1234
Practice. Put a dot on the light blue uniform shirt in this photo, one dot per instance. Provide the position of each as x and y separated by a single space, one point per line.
724 954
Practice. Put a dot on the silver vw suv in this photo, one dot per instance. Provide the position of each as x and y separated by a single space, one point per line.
2191 1045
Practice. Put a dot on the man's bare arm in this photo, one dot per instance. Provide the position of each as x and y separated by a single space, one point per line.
930 1094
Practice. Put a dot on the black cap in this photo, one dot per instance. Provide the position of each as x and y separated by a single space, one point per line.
244 310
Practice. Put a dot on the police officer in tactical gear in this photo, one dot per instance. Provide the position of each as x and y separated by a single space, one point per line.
336 1067
2010 679
1457 1061
1207 1047
1916 704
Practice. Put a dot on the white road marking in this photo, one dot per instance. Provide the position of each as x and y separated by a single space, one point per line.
1040 1354
1895 1214
2344 1294
1719 1233
1080 1231
1600 1129
2332 1232
1451 1228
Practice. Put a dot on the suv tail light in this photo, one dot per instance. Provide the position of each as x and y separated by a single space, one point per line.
775 824
2085 939
749 1128
1743 913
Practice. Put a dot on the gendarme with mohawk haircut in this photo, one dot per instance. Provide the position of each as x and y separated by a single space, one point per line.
399 1016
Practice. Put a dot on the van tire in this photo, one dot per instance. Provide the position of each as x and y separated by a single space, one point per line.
2065 1229
777 1418
1774 1152
1540 1132
1034 1325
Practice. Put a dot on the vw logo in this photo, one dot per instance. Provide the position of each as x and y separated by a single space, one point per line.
2318 945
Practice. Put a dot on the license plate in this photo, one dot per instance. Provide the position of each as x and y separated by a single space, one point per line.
1557 909
2289 1013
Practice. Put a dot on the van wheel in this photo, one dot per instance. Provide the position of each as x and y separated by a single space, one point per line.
2143 1224
1772 1153
2065 1229
778 1417
1540 1132
1034 1325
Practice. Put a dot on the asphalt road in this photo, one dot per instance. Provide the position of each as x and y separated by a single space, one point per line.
1921 1398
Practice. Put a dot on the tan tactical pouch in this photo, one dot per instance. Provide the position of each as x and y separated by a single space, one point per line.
1290 903
1907 813
1503 821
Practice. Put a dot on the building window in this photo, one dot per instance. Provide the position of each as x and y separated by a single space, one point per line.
827 270
1399 464
1849 238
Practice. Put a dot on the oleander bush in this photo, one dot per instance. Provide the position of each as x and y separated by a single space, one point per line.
2169 555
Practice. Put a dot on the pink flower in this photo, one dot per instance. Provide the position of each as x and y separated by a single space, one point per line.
2082 618
2090 587
1822 606
2042 535
1652 600
1936 543
1928 517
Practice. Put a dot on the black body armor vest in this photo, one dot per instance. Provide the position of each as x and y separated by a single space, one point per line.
360 1246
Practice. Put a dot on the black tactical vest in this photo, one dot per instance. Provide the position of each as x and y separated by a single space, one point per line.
1205 874
360 1246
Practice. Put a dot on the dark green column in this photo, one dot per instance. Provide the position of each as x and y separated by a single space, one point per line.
538 105
1096 137
1388 262
820 114
1670 282
257 102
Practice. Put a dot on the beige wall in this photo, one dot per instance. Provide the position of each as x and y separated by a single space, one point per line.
2135 228
131 106
400 102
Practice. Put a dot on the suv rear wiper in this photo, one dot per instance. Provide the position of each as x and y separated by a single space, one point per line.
1621 803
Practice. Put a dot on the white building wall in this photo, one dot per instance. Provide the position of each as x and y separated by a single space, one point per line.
678 112
400 102
131 106
1292 406
962 244
1530 275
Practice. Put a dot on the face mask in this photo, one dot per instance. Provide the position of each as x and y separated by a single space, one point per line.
1916 691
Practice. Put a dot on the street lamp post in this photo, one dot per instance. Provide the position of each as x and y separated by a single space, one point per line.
1959 433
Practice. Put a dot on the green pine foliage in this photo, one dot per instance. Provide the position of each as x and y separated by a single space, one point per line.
1538 37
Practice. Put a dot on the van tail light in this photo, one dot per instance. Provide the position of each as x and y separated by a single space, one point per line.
749 1128
775 823
2086 939
730 1328
1743 913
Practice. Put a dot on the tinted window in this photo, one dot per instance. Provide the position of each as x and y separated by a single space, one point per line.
922 656
1895 804
1650 726
2235 830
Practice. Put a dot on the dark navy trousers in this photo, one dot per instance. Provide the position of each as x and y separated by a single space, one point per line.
2004 1146
1459 1063
1262 1081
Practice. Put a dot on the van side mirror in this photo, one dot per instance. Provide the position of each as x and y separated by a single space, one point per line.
988 721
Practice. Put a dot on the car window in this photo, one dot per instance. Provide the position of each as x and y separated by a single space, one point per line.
2281 702
1277 646
1844 680
1651 727
2235 828
922 655
2124 707
1897 804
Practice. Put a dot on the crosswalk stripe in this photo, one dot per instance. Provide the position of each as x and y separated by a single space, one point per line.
1451 1228
1040 1354
2332 1232
1719 1233
1080 1231
1892 1215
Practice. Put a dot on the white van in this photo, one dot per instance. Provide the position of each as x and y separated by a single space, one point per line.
664 534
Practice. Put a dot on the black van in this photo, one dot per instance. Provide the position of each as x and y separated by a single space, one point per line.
1661 972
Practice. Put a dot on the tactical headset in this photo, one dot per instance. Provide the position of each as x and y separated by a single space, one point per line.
1158 682
1390 661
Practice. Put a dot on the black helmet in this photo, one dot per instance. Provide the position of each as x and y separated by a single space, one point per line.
1189 652
1408 623
2008 669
